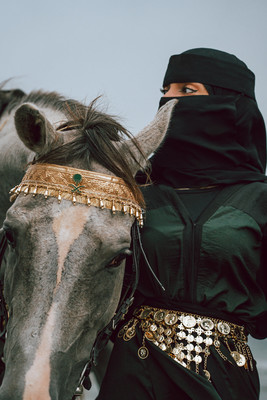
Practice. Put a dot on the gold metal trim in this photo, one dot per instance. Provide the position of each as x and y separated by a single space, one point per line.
79 186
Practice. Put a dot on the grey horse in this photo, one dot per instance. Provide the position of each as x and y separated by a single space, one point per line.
63 268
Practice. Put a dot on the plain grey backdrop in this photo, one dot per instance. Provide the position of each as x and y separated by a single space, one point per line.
120 49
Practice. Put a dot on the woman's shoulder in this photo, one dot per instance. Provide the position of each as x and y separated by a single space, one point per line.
252 199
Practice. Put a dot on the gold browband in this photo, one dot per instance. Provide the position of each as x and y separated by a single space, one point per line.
79 186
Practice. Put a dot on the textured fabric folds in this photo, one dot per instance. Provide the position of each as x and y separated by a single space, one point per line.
212 140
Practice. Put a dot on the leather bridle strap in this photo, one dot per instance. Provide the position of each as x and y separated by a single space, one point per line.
125 302
3 310
3 245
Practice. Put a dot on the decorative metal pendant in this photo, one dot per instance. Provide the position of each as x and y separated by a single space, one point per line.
208 341
239 358
163 346
160 338
143 352
181 334
171 319
190 338
189 356
198 359
181 355
176 351
149 336
198 348
207 324
130 333
145 313
153 327
167 331
199 339
168 340
190 347
223 328
159 316
189 321
34 191
160 330
207 374
126 338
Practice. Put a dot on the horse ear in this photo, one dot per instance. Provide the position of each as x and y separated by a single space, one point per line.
150 138
34 129
6 96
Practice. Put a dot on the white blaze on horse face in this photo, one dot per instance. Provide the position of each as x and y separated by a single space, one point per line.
67 228
37 379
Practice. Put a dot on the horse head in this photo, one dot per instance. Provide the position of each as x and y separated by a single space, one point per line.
68 232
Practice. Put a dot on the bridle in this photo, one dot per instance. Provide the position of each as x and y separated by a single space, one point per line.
99 190
122 309
90 188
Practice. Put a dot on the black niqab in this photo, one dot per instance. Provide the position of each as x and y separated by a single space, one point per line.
212 140
215 139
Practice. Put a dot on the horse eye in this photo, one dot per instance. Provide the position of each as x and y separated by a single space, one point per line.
10 237
116 261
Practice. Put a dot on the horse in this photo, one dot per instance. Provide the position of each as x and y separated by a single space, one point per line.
68 232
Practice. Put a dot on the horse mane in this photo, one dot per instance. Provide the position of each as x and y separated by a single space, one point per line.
99 135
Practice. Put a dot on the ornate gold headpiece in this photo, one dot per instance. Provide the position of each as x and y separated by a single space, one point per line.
79 186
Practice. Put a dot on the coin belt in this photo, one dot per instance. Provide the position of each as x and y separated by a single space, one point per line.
187 338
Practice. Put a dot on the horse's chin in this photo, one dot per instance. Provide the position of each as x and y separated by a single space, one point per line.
56 380
13 386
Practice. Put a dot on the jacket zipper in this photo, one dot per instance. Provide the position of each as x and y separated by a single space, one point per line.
193 266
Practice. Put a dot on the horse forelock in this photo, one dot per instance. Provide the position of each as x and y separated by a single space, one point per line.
98 137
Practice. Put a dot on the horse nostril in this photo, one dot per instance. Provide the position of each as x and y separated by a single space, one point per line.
34 334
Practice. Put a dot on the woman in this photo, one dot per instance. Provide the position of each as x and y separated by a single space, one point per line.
205 238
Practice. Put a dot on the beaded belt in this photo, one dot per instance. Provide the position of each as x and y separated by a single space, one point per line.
187 337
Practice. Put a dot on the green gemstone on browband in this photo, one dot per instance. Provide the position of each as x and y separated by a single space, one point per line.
77 178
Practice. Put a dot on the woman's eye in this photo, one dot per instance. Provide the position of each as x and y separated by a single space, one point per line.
188 90
164 91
